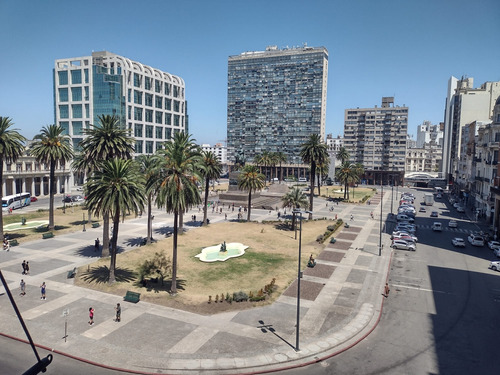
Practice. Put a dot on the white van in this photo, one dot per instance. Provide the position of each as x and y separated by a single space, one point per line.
437 227
302 179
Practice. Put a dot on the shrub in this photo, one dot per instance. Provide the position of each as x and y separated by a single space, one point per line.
331 228
240 296
320 238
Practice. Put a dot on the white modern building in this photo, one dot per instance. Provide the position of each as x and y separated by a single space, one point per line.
219 149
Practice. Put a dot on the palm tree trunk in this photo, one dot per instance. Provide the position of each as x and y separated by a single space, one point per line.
181 222
173 287
205 205
51 193
1 196
150 221
105 235
114 241
311 193
319 184
249 204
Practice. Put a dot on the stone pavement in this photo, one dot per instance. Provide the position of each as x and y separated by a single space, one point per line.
341 301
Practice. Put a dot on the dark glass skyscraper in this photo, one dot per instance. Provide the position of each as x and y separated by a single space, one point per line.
276 100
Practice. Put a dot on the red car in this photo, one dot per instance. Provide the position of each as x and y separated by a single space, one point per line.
34 199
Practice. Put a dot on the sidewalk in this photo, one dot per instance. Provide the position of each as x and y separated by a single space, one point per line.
341 301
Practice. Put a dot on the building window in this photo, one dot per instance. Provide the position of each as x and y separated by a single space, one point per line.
148 99
64 111
137 114
65 126
149 147
63 94
86 75
86 93
168 119
137 80
176 106
158 102
159 132
149 115
159 117
168 133
77 127
76 94
138 147
137 97
76 109
130 112
176 91
63 77
76 76
138 130
176 120
168 88
157 86
168 104
159 145
87 111
149 131
147 83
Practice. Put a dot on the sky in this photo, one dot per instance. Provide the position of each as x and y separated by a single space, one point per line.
403 48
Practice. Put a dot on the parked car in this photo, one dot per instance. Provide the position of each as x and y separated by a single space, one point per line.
34 199
495 265
437 227
458 242
497 252
403 245
302 179
452 224
493 245
421 209
399 233
439 196
456 204
475 240
460 209
67 199
410 230
434 214
77 198
403 217
408 239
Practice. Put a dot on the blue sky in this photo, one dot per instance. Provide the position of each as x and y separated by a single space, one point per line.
402 48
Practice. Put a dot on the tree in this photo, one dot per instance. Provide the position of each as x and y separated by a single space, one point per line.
250 179
177 188
51 147
147 167
294 199
347 174
114 189
11 148
343 155
322 167
104 141
313 152
281 158
211 169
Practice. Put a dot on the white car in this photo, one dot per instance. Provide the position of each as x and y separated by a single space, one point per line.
495 265
421 209
404 217
497 252
493 245
458 242
437 227
452 224
460 209
403 245
475 240
403 233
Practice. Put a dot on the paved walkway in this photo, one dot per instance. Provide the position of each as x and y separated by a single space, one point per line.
341 301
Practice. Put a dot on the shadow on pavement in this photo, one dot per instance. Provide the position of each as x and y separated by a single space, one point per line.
100 275
269 327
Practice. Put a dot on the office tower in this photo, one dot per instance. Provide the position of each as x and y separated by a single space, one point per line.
276 100
149 102
376 138
464 104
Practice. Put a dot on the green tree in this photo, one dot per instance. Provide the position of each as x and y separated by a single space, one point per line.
347 174
114 189
343 155
313 152
147 167
52 147
104 141
177 188
11 148
281 158
295 200
250 179
211 169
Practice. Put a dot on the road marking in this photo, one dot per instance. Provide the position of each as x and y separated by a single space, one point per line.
418 288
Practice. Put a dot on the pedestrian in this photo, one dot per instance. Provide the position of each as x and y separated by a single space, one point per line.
27 269
42 290
279 214
194 217
96 244
6 245
118 310
24 267
225 216
352 218
335 216
91 315
386 290
371 214
22 284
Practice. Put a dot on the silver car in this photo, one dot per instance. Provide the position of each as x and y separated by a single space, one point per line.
403 245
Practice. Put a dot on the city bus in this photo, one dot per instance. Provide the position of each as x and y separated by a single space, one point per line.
15 201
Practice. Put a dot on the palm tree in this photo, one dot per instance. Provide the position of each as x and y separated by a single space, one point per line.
114 189
273 160
147 167
104 141
51 147
347 174
250 179
265 160
211 169
177 189
294 199
322 170
313 152
343 155
11 148
281 158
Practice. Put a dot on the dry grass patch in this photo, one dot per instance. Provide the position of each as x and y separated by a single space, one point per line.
272 253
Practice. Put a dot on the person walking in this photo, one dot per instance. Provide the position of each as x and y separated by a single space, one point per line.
24 267
97 244
118 310
352 217
43 287
386 290
91 315
27 268
22 284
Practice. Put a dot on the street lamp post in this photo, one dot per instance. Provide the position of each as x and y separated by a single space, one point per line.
299 276
380 229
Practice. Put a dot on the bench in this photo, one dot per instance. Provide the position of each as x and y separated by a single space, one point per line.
95 225
13 243
132 297
71 273
47 235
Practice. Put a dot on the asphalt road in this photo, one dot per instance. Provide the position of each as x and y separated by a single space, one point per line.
441 316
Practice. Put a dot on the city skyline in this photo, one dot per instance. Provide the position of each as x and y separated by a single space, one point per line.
376 49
